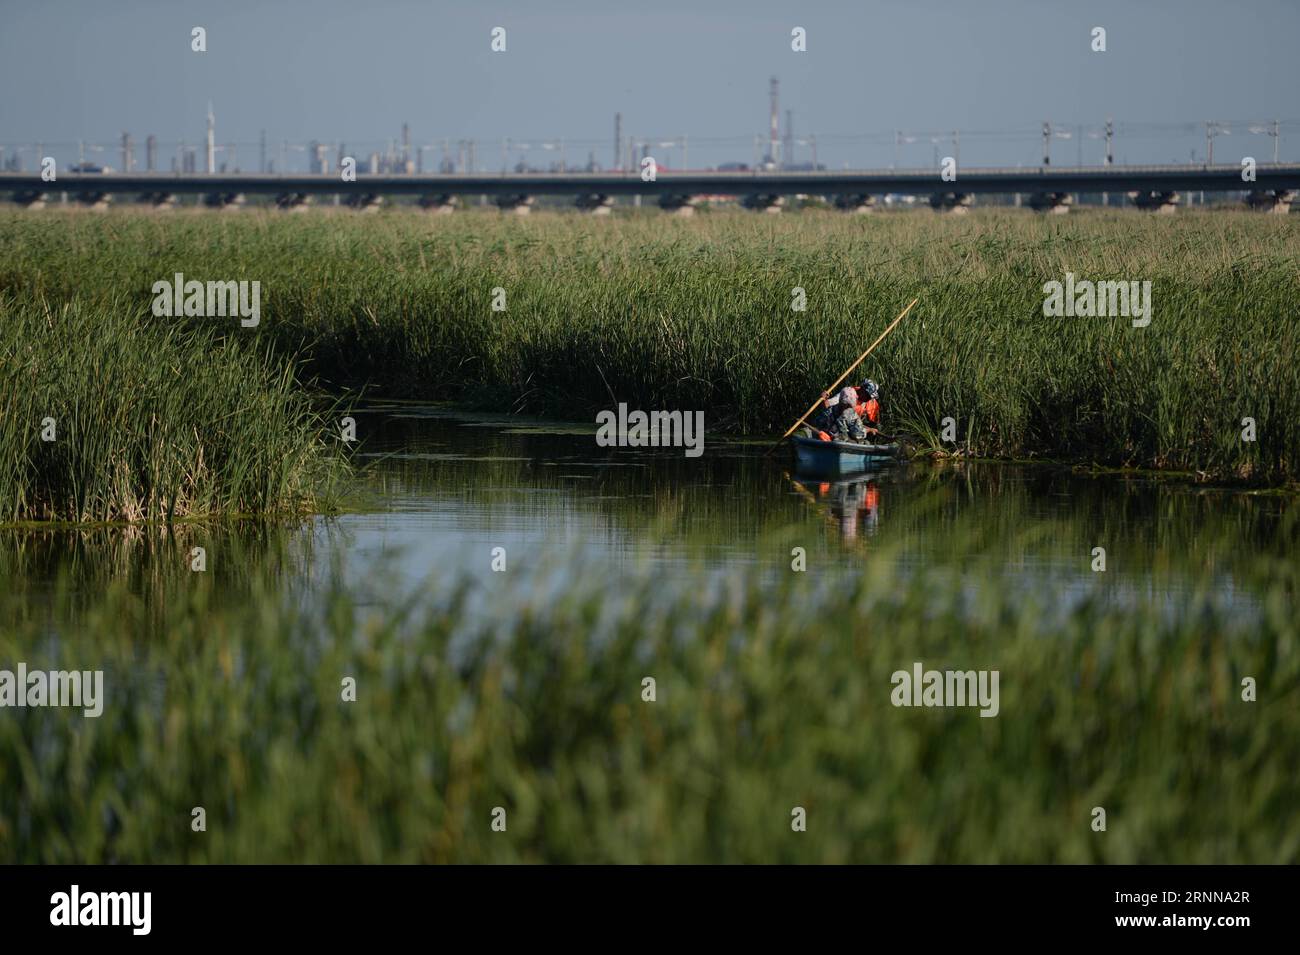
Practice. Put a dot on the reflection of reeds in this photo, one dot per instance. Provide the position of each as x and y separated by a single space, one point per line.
150 421
526 694
741 499
50 571
696 314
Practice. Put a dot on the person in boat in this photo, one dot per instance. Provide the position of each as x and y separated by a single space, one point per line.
865 402
868 406
845 425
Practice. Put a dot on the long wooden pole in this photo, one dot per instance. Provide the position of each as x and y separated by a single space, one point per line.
848 371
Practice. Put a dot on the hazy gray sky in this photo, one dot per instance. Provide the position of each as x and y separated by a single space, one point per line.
353 71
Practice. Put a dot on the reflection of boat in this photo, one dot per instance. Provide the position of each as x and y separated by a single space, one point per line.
854 503
814 456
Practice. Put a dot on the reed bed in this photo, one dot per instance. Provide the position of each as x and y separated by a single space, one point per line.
525 691
107 416
668 313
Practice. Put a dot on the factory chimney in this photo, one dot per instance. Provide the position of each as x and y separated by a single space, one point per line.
774 140
151 152
618 142
212 142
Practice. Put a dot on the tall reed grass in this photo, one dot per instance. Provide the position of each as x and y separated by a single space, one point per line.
107 416
661 312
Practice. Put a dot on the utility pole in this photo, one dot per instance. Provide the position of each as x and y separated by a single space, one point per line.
1277 139
956 147
898 136
1047 144
261 159
618 142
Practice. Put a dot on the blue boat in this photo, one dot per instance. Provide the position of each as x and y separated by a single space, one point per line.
829 458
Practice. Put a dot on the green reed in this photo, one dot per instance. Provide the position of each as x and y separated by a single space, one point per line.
662 312
106 415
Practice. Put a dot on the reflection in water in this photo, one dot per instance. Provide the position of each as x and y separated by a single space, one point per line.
854 503
448 488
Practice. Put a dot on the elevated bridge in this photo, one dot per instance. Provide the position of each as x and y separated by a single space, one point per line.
1047 188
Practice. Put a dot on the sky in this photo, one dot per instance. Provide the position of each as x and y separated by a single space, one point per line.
352 71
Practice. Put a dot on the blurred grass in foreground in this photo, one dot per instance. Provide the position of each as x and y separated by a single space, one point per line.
523 690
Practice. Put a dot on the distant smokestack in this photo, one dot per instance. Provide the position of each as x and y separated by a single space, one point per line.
787 153
774 139
151 153
618 142
212 141
128 153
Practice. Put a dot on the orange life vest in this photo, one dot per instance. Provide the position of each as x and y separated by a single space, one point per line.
869 411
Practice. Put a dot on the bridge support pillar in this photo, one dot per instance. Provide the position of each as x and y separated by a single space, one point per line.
292 201
364 202
30 198
95 201
1056 203
1165 203
952 203
596 205
678 205
440 205
1271 200
763 203
223 200
157 200
859 205
519 205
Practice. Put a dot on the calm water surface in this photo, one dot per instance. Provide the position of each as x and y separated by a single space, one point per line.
443 489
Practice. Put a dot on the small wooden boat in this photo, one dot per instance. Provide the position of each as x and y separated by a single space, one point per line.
817 457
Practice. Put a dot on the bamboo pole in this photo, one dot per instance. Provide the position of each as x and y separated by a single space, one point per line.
847 372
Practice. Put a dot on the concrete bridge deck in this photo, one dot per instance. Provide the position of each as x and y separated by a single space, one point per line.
667 185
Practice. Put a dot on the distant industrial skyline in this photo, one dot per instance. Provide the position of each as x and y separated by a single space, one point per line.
879 84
